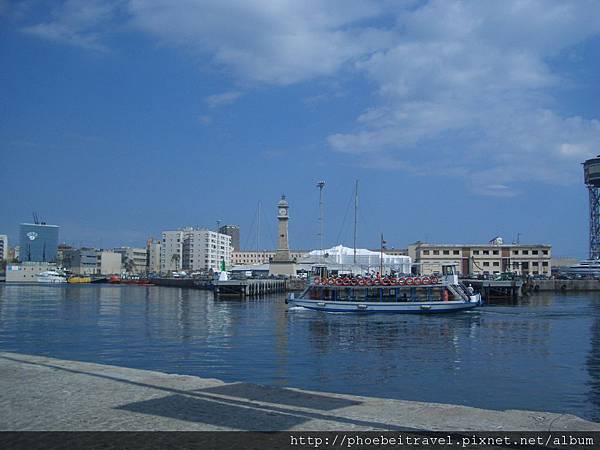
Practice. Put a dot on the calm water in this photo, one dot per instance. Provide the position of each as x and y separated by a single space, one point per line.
541 355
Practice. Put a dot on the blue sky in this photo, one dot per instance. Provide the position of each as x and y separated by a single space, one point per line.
461 120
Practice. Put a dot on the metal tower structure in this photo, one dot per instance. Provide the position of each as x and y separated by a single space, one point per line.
591 171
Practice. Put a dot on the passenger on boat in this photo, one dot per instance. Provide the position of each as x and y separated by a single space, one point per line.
470 289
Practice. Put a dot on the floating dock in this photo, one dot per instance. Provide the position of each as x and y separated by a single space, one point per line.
496 291
248 288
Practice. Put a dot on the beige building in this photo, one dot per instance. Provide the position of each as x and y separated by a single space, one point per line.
261 256
153 250
482 259
109 263
27 272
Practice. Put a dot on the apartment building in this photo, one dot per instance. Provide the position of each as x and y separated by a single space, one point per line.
153 251
134 260
3 247
481 259
193 249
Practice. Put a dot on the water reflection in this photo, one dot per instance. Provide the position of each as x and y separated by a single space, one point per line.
543 354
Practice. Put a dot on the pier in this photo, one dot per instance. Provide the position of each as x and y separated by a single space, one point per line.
492 290
46 394
248 288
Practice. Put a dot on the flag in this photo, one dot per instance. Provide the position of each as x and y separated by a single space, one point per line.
223 265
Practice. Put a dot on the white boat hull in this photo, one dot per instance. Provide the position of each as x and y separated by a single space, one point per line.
387 307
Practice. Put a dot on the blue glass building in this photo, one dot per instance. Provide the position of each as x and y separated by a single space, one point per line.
38 242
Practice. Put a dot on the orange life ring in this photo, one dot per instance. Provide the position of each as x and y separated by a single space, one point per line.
426 280
338 282
401 281
369 282
434 280
385 281
417 281
410 281
346 281
361 282
317 280
394 281
331 282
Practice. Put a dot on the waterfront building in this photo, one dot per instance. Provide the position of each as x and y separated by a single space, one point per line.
13 253
133 259
38 242
153 251
82 261
194 250
109 263
482 259
61 251
3 247
261 256
90 261
27 272
171 251
282 263
232 231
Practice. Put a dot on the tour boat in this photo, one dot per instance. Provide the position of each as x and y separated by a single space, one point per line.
51 276
408 294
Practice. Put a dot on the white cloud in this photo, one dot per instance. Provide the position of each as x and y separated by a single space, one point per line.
468 84
82 23
281 42
226 98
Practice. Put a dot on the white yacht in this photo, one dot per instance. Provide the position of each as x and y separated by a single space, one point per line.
51 276
590 267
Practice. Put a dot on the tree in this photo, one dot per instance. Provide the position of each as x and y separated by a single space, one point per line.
175 258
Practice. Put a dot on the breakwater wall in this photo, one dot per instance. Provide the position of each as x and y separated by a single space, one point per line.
562 286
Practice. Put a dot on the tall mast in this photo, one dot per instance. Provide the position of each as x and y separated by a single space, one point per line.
321 185
258 230
381 257
355 216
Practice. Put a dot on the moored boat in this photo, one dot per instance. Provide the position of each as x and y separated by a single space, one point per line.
51 276
423 295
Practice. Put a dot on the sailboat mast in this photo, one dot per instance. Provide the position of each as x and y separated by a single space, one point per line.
258 230
355 216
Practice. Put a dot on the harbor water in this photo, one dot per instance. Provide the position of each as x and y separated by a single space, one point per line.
542 354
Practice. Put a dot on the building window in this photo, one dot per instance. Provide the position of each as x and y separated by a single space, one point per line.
455 252
436 252
486 252
515 252
476 252
545 263
526 252
486 263
534 252
534 263
495 252
496 263
426 252
446 252
545 252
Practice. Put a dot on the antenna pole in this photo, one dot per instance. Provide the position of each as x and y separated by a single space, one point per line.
321 185
355 216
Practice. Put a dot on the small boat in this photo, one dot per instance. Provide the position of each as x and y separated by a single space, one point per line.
51 276
79 280
587 267
409 294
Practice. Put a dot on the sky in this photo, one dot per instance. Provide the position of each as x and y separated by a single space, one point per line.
461 120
